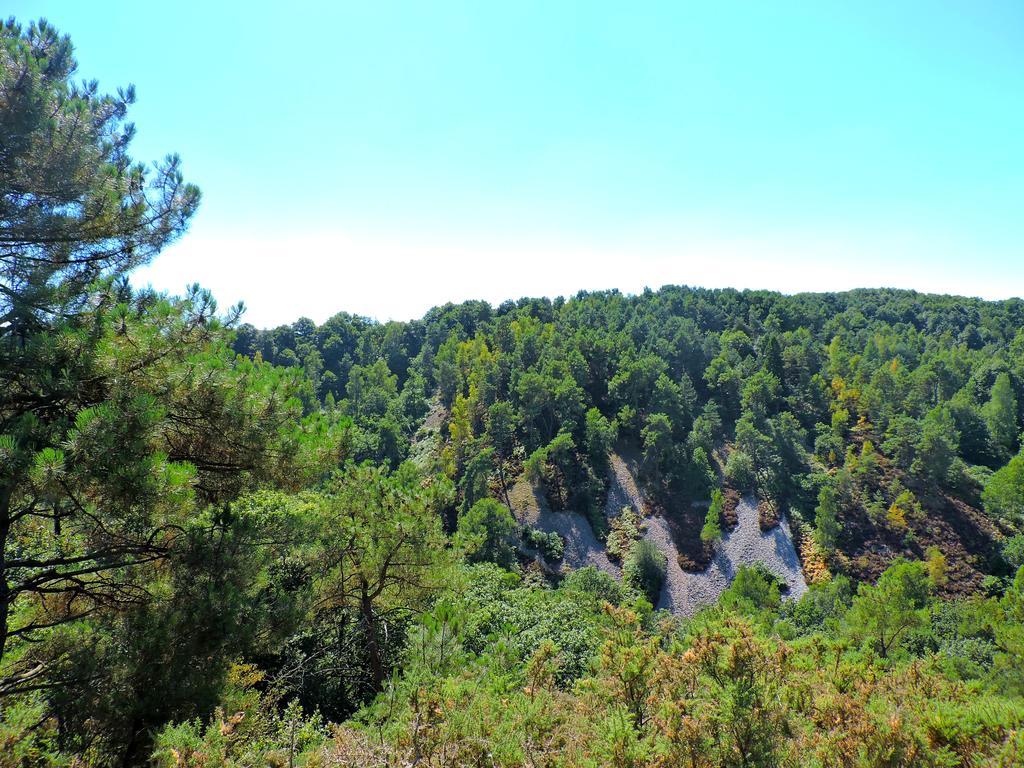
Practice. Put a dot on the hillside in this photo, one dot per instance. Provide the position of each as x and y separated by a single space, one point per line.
896 406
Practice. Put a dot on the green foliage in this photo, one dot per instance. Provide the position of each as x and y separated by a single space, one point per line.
644 569
712 530
600 434
656 438
246 729
701 479
826 516
822 606
1008 667
501 425
1001 416
76 207
739 470
1013 551
1004 493
901 440
550 544
883 614
937 446
485 534
753 589
382 547
707 429
591 581
498 612
760 395
210 531
625 530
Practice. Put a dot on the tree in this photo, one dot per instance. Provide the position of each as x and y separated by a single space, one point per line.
901 440
1013 551
712 530
599 436
826 515
485 534
885 612
156 419
382 548
707 429
754 588
739 470
1009 637
744 676
1003 495
74 207
474 484
701 479
85 491
759 395
763 451
937 446
501 428
370 390
501 431
657 442
644 569
1001 415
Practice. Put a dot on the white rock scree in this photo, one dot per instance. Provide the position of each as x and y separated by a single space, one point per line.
683 593
686 593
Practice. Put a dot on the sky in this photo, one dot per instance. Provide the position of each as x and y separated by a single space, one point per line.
384 157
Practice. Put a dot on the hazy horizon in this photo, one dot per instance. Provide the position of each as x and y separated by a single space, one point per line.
411 155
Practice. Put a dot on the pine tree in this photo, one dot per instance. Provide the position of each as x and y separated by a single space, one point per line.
712 530
826 516
1001 416
121 414
74 206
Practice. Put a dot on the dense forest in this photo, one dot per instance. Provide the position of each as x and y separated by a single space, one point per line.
307 545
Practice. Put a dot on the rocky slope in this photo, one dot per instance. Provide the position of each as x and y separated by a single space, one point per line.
684 593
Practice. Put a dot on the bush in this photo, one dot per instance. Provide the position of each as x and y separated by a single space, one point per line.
485 532
551 545
645 570
712 530
754 588
739 470
822 605
625 530
1013 551
591 581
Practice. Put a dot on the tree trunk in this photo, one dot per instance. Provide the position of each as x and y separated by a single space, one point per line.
504 485
5 589
373 650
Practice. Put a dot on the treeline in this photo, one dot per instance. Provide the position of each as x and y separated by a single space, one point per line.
229 547
869 414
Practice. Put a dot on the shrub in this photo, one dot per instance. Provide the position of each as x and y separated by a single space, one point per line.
739 470
591 581
754 588
549 544
645 570
712 530
625 530
485 532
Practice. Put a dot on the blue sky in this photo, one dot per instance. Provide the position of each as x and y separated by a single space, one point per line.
384 157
